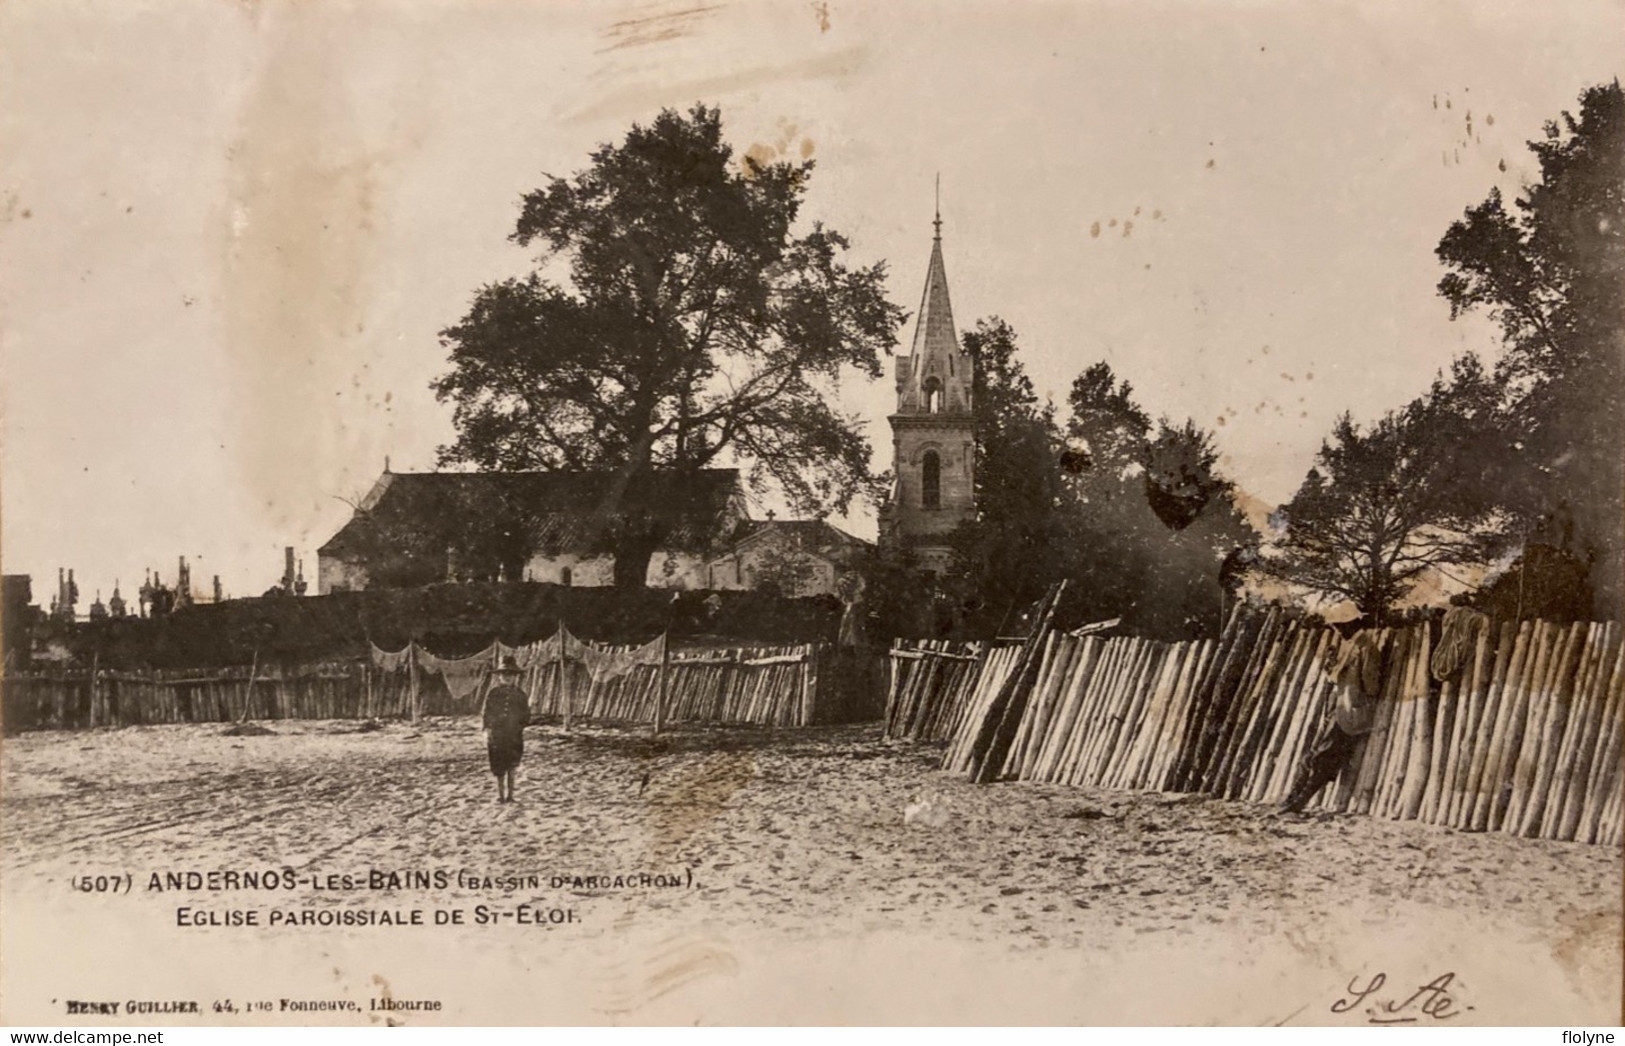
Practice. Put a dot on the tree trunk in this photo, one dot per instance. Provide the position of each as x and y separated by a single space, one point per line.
633 542
633 551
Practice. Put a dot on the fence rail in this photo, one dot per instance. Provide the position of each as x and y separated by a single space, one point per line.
1522 738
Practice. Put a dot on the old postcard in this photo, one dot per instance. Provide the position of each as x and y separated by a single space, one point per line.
528 513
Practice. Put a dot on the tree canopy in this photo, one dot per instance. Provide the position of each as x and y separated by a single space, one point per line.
1152 522
1108 429
1551 271
1132 511
1386 503
1008 549
676 319
1527 451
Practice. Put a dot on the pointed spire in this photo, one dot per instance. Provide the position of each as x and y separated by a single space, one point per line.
935 337
935 375
937 221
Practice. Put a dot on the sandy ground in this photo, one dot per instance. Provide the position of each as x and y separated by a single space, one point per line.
816 895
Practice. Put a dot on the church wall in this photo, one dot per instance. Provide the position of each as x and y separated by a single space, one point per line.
681 570
739 571
956 453
585 571
675 570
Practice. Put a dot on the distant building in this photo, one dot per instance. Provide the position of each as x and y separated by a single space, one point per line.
155 599
795 557
424 528
933 432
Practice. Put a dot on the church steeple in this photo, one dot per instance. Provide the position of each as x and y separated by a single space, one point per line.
933 435
934 378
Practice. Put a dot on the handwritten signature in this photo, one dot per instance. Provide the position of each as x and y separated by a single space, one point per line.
1432 1000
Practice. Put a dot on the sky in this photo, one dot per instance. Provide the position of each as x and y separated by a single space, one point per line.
230 232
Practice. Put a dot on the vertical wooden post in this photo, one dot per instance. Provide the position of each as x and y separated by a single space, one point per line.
95 687
488 677
998 727
665 668
412 678
248 694
808 672
560 692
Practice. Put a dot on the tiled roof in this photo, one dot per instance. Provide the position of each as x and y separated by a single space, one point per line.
431 510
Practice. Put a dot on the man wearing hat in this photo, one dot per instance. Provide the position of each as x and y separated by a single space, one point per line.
507 710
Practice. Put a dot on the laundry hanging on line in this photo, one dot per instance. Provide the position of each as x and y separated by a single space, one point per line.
546 651
399 661
602 663
608 663
463 675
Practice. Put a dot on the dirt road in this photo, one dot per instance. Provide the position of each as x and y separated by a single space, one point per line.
825 877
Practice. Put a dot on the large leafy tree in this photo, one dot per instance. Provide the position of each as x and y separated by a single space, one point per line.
677 319
1132 511
1108 430
1116 453
1181 473
1009 551
1388 503
1152 521
1550 270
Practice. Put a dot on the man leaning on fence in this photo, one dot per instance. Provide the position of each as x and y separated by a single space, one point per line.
1357 675
507 710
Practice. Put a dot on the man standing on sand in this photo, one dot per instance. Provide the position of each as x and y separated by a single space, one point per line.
507 711
1357 675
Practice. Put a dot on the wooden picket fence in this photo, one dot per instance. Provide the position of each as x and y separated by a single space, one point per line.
1524 738
768 686
929 685
70 700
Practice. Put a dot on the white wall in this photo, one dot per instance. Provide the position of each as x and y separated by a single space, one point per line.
666 570
334 573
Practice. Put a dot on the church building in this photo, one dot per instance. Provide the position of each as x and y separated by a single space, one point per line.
933 451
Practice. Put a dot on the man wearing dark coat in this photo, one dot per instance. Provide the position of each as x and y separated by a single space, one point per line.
507 711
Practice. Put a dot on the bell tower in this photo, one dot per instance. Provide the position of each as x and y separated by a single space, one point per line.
933 453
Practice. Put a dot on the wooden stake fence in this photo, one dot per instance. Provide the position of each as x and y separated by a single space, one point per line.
769 686
1523 738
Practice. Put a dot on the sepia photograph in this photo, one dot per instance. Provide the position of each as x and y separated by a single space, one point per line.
808 512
